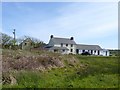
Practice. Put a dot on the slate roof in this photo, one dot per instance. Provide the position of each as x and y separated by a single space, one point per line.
88 47
105 50
26 40
59 48
62 40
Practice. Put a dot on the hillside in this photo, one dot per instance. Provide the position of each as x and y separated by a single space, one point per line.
34 60
42 69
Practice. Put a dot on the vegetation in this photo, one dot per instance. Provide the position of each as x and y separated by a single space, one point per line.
114 52
7 42
36 43
58 71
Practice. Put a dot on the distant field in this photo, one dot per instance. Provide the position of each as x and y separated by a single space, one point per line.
87 72
114 52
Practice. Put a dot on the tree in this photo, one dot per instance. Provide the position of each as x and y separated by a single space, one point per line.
6 39
36 42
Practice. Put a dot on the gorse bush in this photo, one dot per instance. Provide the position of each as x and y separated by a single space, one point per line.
76 72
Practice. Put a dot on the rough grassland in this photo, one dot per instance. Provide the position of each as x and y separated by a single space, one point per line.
58 71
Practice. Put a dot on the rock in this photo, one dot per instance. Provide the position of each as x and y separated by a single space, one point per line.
13 80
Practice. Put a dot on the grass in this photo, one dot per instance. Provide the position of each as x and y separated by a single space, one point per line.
91 72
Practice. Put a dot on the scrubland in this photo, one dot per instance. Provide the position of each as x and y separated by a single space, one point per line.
43 69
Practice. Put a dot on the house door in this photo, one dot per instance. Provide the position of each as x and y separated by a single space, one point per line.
98 52
55 50
106 53
77 51
91 51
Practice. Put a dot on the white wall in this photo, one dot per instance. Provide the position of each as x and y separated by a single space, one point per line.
93 53
57 45
103 53
108 53
80 51
60 51
65 52
68 47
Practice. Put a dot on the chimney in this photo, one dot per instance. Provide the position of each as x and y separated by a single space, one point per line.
71 38
51 36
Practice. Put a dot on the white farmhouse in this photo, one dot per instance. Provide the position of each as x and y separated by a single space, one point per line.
69 46
63 45
91 49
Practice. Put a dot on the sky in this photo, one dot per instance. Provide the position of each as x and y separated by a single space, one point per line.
88 22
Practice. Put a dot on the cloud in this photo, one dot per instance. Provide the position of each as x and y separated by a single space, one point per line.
84 21
89 20
100 31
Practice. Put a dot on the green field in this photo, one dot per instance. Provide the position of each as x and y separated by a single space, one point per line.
89 72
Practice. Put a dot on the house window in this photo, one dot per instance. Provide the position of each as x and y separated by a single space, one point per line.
25 43
71 50
66 45
98 52
95 51
63 50
61 44
106 53
91 51
71 45
83 51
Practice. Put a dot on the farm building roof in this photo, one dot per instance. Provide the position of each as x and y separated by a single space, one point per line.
88 47
62 40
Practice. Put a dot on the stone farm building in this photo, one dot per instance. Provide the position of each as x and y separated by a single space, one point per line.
27 44
69 46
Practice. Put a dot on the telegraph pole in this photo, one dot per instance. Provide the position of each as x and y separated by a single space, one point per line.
14 36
